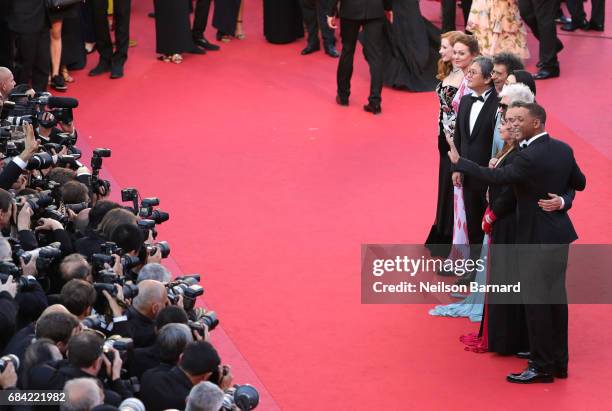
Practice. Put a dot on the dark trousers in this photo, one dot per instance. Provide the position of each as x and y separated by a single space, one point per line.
598 10
542 274
449 13
373 43
200 18
33 59
315 19
121 16
539 15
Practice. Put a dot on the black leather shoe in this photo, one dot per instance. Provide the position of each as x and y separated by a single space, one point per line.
563 19
331 51
373 108
101 68
544 74
530 376
575 25
206 45
311 48
596 27
342 101
116 72
524 355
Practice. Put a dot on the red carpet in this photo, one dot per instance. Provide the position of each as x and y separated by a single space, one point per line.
272 188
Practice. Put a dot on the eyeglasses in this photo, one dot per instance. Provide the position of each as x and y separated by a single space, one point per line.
503 106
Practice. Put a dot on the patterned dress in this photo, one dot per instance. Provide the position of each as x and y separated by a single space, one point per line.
498 27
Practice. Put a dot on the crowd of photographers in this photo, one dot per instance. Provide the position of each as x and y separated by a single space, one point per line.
86 304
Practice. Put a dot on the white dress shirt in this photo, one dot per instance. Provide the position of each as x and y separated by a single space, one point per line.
477 108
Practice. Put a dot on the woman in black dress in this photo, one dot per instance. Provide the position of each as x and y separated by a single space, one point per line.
506 326
411 54
441 234
58 80
173 30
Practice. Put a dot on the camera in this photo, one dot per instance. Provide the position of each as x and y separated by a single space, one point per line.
93 321
70 160
129 290
119 343
37 201
40 161
162 246
146 210
187 287
209 319
77 208
23 283
245 397
147 226
98 185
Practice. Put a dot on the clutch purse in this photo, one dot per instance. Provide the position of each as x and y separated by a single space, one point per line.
60 4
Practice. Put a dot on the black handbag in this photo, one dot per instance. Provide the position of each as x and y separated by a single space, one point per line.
60 4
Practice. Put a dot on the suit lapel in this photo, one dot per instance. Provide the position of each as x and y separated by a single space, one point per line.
491 101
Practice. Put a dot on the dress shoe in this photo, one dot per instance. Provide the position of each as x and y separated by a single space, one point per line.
562 19
373 108
342 101
524 355
206 45
311 48
101 68
545 73
331 51
530 376
596 26
574 25
116 72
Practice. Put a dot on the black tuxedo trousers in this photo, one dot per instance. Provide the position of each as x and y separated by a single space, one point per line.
373 43
121 15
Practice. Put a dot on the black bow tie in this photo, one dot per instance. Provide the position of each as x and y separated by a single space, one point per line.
523 146
479 98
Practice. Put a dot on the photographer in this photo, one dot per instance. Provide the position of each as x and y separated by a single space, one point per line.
7 83
86 359
82 394
198 362
55 324
75 266
205 396
29 23
91 242
146 358
154 271
151 299
11 171
79 297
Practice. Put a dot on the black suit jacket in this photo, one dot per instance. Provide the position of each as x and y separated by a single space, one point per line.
359 9
164 389
546 166
28 16
476 146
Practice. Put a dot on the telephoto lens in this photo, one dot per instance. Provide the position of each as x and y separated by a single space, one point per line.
40 161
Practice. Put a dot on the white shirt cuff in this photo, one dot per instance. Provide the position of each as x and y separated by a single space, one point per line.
562 203
22 164
120 319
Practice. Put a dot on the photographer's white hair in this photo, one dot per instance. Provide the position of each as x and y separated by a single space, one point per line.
205 396
82 394
517 92
5 249
154 271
